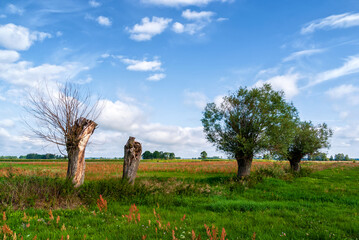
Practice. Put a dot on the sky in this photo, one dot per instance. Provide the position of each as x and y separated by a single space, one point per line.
157 63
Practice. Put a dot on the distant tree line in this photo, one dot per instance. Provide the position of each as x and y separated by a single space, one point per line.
41 156
315 157
158 155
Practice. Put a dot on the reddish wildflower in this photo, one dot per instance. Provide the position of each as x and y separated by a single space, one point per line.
254 236
224 234
51 216
144 237
183 218
173 235
58 219
102 204
193 235
4 216
35 237
133 214
6 230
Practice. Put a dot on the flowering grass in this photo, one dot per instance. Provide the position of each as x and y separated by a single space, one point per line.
168 202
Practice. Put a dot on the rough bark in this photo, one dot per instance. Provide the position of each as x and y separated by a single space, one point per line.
244 165
81 133
133 151
295 165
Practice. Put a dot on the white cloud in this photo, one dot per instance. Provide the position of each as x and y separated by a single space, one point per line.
189 28
302 53
18 37
7 123
197 99
2 16
148 28
120 116
104 21
156 77
218 100
345 20
120 120
197 16
342 91
11 8
93 3
221 19
287 83
346 91
8 56
351 66
178 27
142 65
176 3
23 73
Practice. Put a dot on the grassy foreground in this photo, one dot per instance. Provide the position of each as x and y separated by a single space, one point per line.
271 204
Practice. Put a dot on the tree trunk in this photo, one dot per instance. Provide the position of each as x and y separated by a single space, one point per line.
131 161
82 131
244 165
295 166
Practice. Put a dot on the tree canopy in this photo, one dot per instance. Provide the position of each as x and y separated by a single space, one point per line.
250 121
308 140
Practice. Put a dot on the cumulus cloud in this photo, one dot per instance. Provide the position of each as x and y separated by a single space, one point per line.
189 28
302 53
345 20
351 66
199 21
24 73
197 16
148 28
156 77
196 99
287 83
178 27
8 56
176 3
104 21
93 3
19 38
142 65
11 8
120 120
120 116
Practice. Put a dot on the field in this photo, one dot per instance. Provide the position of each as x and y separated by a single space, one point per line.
181 200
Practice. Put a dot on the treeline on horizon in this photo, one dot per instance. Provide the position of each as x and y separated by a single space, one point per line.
171 156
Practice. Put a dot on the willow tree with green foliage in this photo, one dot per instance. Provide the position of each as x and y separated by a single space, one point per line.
248 122
308 140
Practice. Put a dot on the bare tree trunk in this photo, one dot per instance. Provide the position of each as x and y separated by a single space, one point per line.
131 161
244 165
83 130
295 166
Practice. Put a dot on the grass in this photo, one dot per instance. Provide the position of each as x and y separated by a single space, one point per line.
320 203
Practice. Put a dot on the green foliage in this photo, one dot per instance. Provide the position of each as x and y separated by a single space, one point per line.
203 154
308 140
250 121
158 155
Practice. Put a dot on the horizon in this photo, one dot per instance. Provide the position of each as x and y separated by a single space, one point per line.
157 63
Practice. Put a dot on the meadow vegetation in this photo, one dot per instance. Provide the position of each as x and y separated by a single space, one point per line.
181 200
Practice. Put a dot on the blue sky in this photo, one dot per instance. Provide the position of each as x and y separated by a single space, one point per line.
156 63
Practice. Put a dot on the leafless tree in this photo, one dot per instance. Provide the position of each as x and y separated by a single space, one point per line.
66 118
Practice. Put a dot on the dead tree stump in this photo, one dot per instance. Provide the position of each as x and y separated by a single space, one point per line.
76 146
131 161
